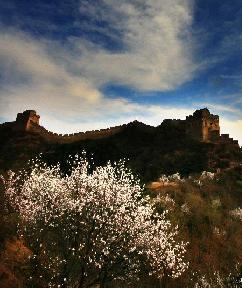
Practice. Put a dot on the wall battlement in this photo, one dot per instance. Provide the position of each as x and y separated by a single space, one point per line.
25 120
73 137
225 139
202 126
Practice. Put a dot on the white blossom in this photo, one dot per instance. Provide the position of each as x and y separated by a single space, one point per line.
97 220
236 213
207 175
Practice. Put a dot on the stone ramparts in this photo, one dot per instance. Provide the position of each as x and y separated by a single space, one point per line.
225 139
69 138
202 126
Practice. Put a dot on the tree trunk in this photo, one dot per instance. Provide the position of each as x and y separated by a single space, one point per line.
82 279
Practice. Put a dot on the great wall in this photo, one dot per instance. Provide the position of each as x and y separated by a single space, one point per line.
69 138
29 121
202 126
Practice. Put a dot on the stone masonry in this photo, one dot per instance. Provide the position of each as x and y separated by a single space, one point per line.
202 126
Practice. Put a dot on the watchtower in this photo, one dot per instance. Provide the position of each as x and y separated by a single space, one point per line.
203 126
26 120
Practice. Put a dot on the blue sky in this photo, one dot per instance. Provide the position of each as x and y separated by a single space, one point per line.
92 64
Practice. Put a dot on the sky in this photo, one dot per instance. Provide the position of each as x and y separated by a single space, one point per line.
90 64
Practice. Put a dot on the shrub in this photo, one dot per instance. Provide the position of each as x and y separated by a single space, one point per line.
86 228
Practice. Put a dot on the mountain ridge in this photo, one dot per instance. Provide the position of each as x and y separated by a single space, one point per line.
185 146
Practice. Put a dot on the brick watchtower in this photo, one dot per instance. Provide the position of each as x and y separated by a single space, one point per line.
203 126
26 120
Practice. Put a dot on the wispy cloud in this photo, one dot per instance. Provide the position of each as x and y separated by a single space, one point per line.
65 80
149 46
40 75
157 44
220 108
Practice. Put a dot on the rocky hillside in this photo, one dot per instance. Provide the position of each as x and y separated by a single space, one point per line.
207 209
149 151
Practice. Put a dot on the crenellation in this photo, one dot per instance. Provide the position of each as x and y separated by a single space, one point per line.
202 126
25 120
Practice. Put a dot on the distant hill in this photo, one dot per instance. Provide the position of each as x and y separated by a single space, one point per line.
185 146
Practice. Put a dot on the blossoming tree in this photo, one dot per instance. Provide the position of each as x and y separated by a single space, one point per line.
88 228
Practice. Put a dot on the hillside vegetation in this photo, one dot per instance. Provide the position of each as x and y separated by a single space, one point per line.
149 151
206 208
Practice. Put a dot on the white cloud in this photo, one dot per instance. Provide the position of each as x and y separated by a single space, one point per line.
65 80
218 108
65 101
158 47
64 85
33 77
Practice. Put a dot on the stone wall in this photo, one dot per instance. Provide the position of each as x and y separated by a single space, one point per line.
69 138
29 121
24 120
203 126
225 139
